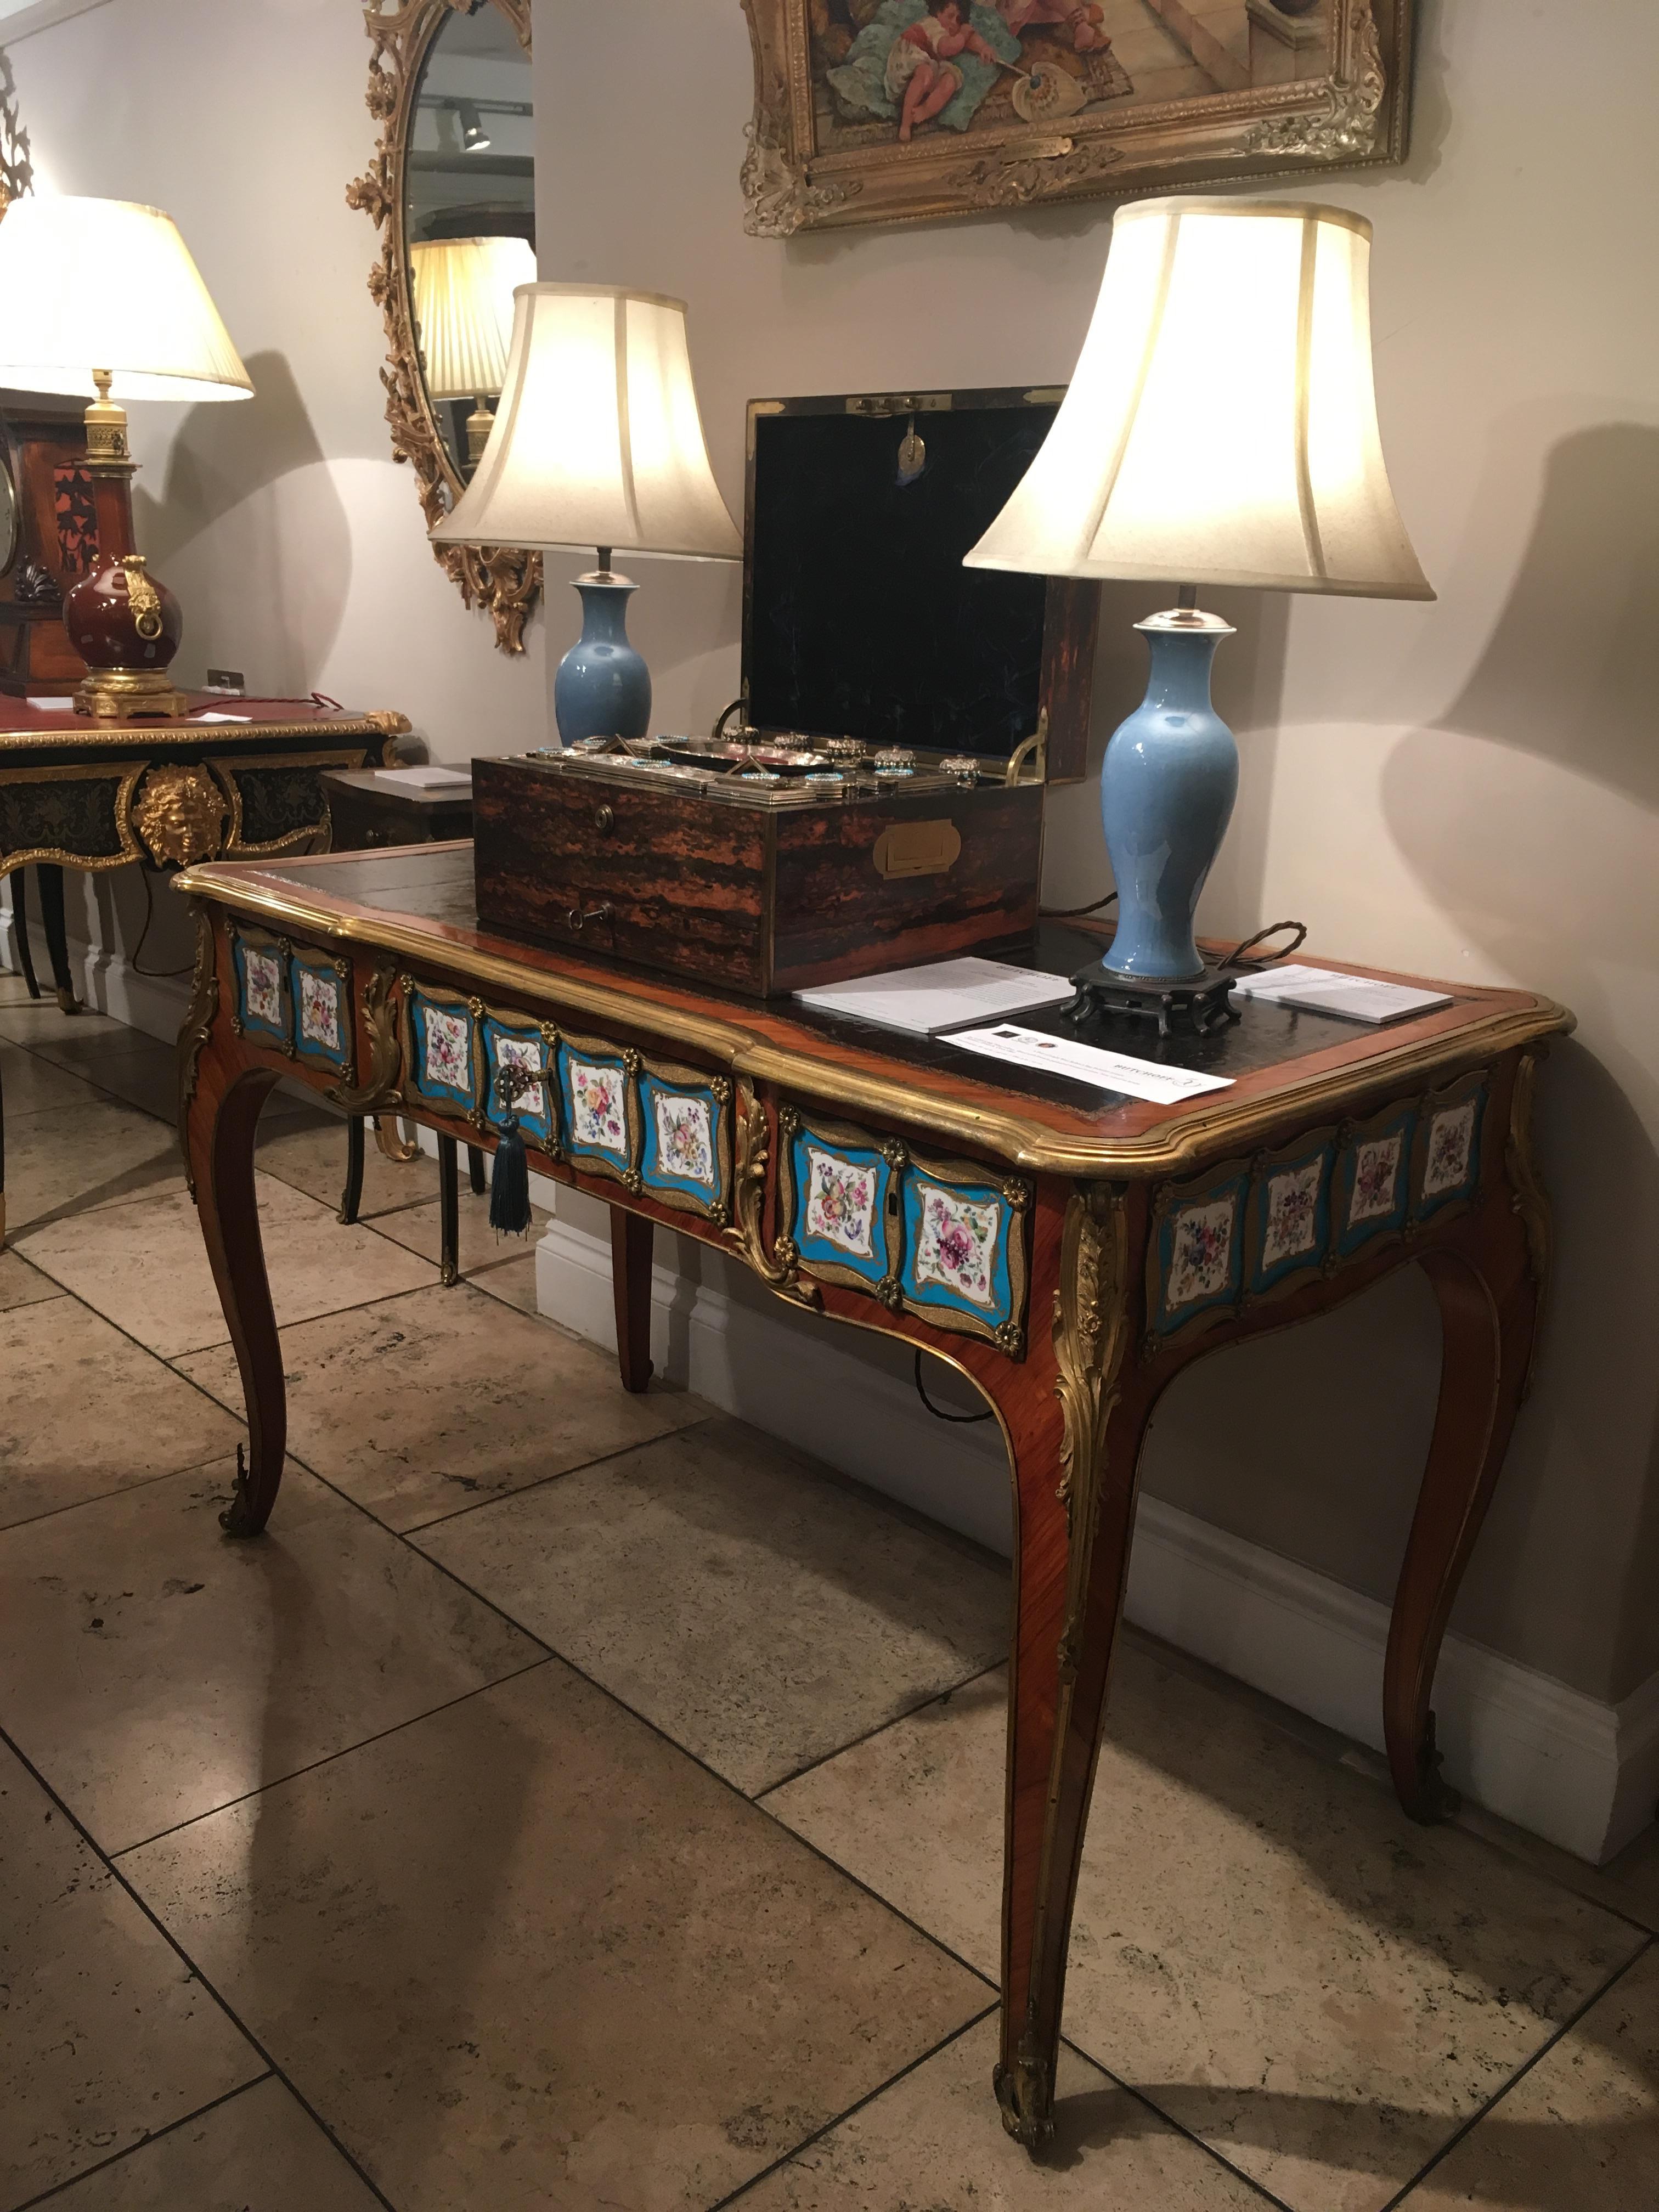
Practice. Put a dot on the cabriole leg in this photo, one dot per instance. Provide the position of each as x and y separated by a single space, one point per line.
1488 1299
1077 1456
220 1119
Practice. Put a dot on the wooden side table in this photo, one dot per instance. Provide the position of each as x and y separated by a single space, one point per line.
366 812
1072 1251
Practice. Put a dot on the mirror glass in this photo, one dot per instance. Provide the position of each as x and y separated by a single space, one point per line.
9 519
469 217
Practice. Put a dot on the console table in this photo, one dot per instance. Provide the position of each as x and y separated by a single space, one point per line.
1069 1250
234 776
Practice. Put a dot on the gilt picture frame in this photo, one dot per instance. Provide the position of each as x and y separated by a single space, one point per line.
894 111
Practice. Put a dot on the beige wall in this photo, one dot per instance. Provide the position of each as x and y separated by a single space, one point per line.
1467 789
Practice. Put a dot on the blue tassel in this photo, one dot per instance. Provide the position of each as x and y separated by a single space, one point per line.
509 1175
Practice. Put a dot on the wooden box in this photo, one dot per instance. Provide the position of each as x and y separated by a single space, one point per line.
762 899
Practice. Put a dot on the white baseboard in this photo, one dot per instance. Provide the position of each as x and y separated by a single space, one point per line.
1582 1774
106 982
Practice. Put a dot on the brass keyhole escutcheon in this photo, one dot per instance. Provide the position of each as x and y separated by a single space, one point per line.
604 820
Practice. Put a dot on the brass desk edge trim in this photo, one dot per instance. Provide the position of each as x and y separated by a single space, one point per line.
1171 1145
164 730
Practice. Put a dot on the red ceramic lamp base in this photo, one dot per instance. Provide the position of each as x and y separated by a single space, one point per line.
126 625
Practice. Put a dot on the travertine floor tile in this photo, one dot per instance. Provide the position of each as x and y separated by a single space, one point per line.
259 2151
105 2033
144 1072
524 1953
144 1265
1264 1944
1633 1877
1579 2132
934 2143
29 1084
759 1612
152 1669
72 1159
22 1286
309 1151
42 1025
422 1406
481 1248
89 1412
514 1282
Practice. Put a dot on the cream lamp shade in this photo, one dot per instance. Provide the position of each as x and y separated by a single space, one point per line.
464 290
1221 424
108 286
596 439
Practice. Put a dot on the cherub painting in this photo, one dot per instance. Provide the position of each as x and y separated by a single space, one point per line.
908 64
871 110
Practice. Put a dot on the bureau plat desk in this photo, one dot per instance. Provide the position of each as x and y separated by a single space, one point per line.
1071 1251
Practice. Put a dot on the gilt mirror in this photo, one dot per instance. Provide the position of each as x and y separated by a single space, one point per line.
452 191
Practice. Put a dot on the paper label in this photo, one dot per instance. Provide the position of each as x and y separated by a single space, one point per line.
1088 1063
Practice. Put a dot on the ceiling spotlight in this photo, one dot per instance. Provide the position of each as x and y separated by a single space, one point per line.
474 137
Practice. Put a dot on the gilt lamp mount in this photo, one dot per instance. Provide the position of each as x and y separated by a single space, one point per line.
1220 428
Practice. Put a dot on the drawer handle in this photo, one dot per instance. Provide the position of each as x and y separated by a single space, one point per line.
604 820
577 921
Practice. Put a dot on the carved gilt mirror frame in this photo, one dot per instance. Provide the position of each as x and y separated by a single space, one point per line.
401 32
1045 109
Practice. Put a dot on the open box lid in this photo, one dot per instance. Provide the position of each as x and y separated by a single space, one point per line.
859 619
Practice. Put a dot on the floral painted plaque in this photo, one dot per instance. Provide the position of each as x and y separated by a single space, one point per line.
597 1107
448 1050
841 1203
1201 1261
1376 1178
1450 1146
319 1009
263 987
685 1137
956 1245
1292 1213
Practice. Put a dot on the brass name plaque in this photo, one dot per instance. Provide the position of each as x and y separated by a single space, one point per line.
917 848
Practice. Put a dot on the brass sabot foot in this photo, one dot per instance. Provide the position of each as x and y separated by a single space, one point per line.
1026 2096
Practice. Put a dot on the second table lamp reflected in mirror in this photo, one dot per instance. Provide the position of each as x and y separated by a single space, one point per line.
464 290
1220 427
597 441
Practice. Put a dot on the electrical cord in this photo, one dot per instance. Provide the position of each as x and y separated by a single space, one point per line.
1236 957
155 975
1072 913
939 1412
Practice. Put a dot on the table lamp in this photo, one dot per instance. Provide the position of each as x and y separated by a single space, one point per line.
464 291
597 441
1220 428
101 297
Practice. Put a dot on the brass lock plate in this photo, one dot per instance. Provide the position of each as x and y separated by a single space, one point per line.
916 848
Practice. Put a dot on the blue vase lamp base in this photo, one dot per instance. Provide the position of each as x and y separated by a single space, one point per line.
603 688
1167 788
